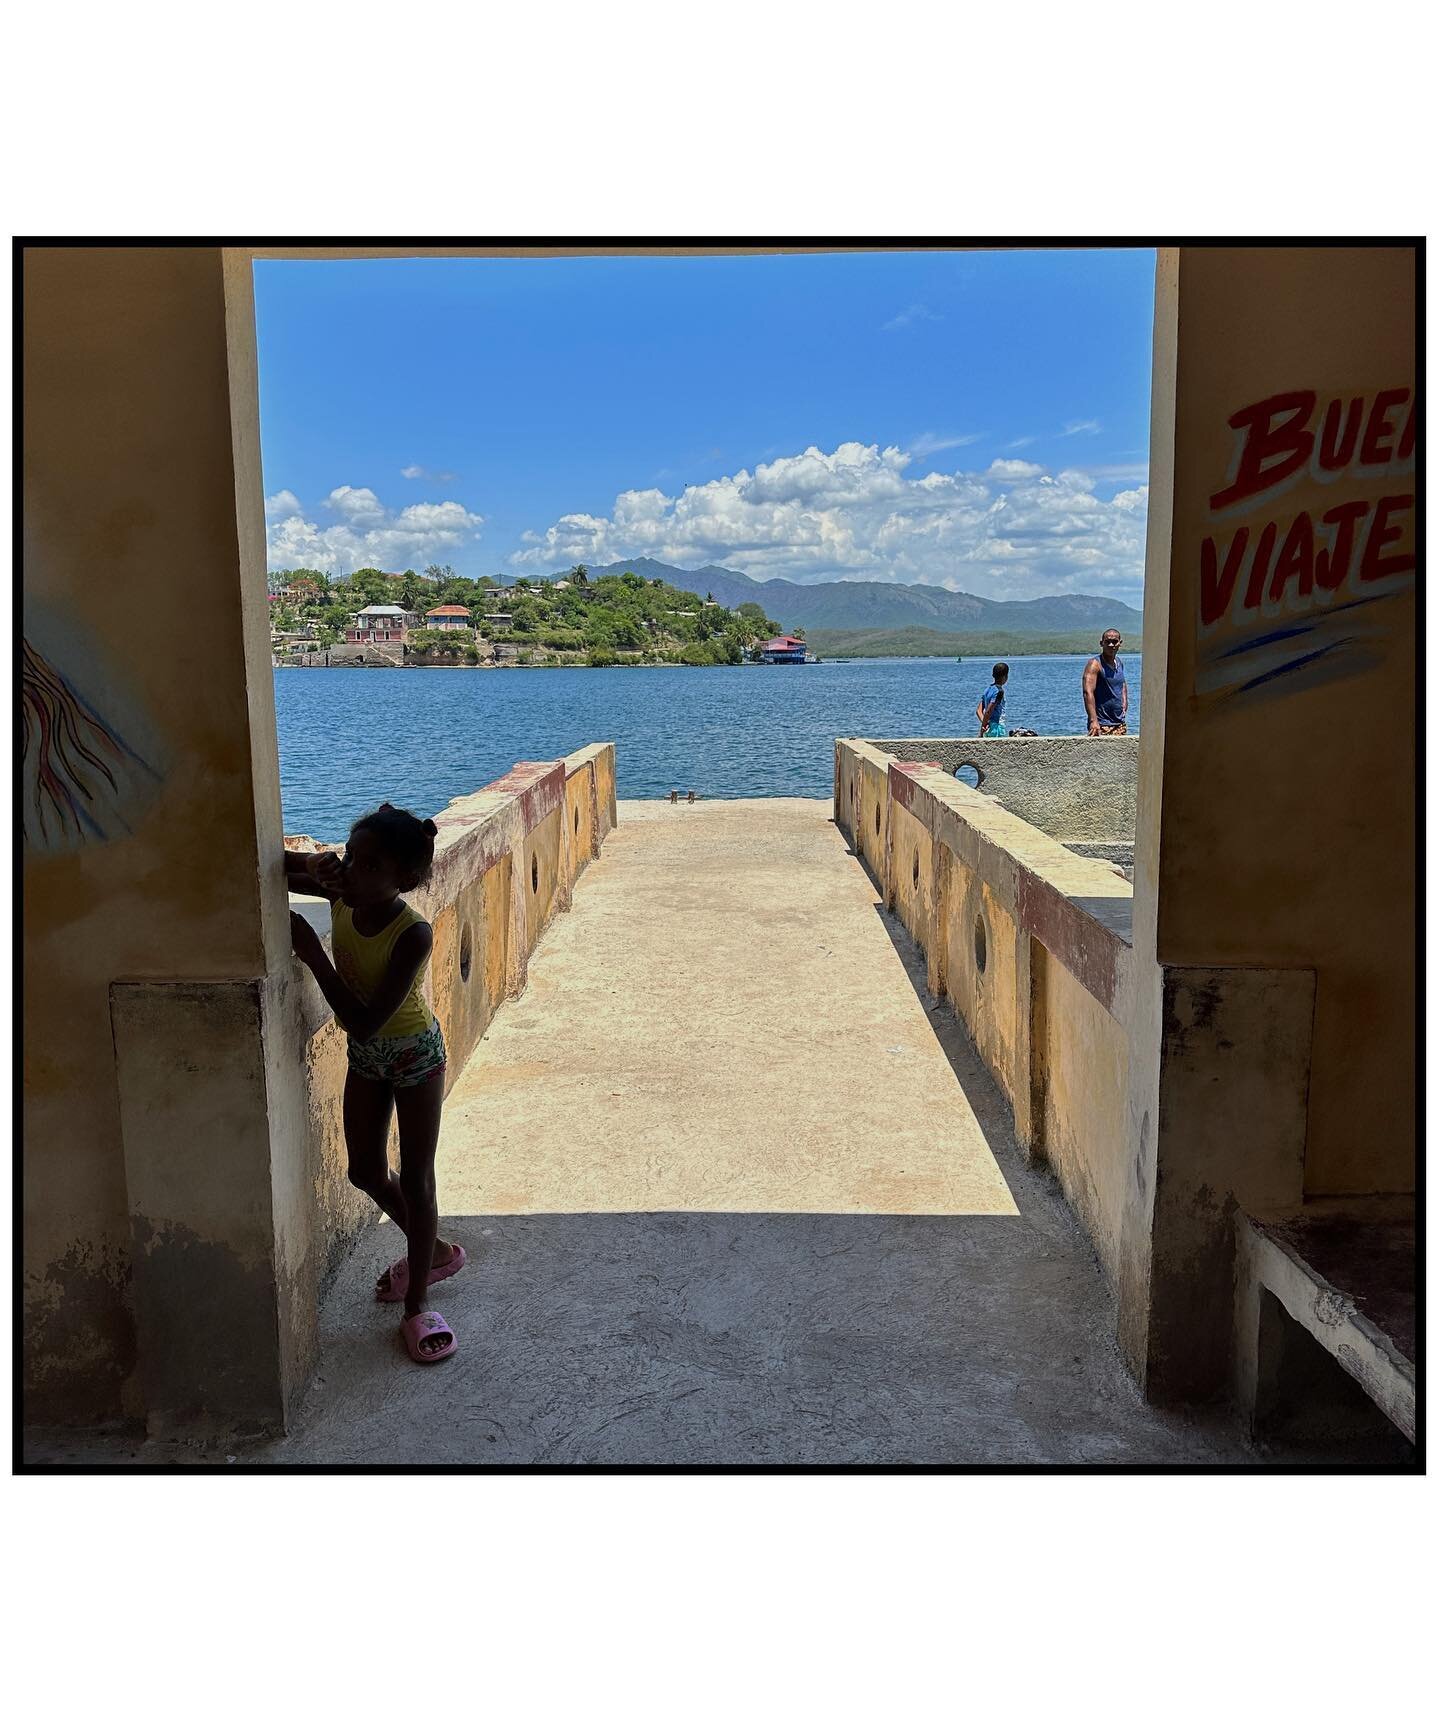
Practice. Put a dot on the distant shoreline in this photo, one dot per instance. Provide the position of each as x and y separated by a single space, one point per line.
919 642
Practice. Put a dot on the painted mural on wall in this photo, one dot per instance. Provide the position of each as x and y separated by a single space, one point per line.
1310 536
89 767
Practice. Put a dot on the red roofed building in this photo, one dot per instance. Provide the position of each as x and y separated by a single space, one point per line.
784 651
447 618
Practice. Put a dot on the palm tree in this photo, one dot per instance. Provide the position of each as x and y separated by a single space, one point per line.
579 576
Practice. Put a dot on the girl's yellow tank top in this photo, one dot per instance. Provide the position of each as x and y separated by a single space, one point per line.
362 963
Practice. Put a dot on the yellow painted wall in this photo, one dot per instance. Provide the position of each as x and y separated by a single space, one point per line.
540 872
987 1001
912 881
1081 1062
131 551
1287 832
872 829
580 811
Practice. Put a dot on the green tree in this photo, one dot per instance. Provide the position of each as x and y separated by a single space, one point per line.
368 581
579 576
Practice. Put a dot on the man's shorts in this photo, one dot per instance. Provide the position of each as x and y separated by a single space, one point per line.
1113 730
403 1060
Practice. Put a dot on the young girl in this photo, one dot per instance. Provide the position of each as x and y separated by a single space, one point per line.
397 1053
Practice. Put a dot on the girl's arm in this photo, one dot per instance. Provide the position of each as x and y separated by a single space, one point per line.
314 873
362 1021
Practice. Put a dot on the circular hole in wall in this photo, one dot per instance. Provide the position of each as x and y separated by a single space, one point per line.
980 943
915 872
877 820
969 774
466 946
534 873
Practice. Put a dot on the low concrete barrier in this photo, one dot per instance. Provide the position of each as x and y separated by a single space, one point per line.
1080 788
506 860
1029 943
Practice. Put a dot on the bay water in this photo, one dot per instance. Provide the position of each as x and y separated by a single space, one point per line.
354 737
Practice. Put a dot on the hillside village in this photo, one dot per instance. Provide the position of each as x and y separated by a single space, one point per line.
377 618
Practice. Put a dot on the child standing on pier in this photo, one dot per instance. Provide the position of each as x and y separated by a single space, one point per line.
990 709
397 1053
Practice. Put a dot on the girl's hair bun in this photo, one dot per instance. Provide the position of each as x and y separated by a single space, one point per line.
407 839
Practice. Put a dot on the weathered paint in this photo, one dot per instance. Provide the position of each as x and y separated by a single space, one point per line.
1271 787
1080 1064
1234 1090
131 463
1252 803
1092 951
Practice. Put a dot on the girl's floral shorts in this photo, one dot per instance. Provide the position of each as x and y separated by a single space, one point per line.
404 1060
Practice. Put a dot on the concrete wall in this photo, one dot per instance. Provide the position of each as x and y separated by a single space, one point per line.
1030 945
183 1185
150 830
1080 788
1273 1042
1298 849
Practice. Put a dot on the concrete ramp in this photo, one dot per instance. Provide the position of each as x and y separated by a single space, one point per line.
722 1023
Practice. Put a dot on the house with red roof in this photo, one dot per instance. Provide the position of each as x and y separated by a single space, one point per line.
448 618
784 651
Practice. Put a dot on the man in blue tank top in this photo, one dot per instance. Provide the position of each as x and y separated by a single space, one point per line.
1107 695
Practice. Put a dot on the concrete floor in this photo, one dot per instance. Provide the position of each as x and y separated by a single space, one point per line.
735 1191
718 1025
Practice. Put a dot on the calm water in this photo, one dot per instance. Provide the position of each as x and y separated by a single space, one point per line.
352 738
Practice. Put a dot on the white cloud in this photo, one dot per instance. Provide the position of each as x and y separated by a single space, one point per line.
1088 427
1024 440
927 444
911 316
369 532
1014 529
357 505
418 472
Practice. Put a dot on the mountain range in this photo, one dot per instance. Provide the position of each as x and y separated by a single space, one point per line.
888 606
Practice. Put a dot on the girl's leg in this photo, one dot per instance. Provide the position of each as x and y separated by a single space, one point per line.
367 1129
419 1112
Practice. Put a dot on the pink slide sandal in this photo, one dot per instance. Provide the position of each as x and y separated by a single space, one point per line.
399 1275
427 1323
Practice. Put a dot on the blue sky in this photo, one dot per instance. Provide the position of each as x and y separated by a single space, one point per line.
972 420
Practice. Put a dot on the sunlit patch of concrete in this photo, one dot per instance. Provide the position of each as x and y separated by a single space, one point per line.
723 1023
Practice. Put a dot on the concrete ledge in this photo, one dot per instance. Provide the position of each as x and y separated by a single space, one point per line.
1069 787
1374 1257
